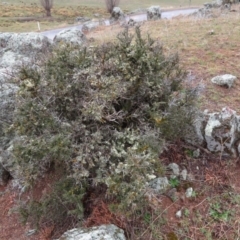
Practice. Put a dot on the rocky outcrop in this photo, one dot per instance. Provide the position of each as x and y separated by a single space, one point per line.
224 80
220 132
16 50
154 13
72 36
104 232
19 47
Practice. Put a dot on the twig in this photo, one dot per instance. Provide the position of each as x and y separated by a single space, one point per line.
157 218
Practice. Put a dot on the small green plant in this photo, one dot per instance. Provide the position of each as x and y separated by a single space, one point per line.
186 212
189 152
174 182
147 218
194 194
218 213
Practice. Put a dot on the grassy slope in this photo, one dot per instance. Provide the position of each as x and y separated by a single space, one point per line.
207 47
21 16
125 4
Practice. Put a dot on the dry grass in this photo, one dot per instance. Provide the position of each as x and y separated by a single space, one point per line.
21 16
125 4
24 17
207 47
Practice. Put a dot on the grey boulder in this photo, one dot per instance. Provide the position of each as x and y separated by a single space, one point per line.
70 36
224 80
222 131
16 50
103 232
154 13
117 14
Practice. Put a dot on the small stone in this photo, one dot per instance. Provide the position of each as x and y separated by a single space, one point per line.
189 192
175 169
31 232
159 184
172 193
179 214
190 177
184 174
196 153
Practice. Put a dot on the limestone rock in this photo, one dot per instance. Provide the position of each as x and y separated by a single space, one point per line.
196 153
131 22
219 131
179 214
184 174
90 25
175 169
72 36
224 80
159 184
189 192
16 50
195 134
103 232
154 13
117 14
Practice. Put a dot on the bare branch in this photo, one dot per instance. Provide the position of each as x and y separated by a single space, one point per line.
110 4
47 5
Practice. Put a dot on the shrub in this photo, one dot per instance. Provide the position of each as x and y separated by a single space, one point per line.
103 112
64 201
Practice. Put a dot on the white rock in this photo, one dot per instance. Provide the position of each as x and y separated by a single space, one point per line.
117 14
103 232
89 26
224 80
175 168
212 123
184 174
16 50
221 131
196 153
72 36
179 214
189 192
154 12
